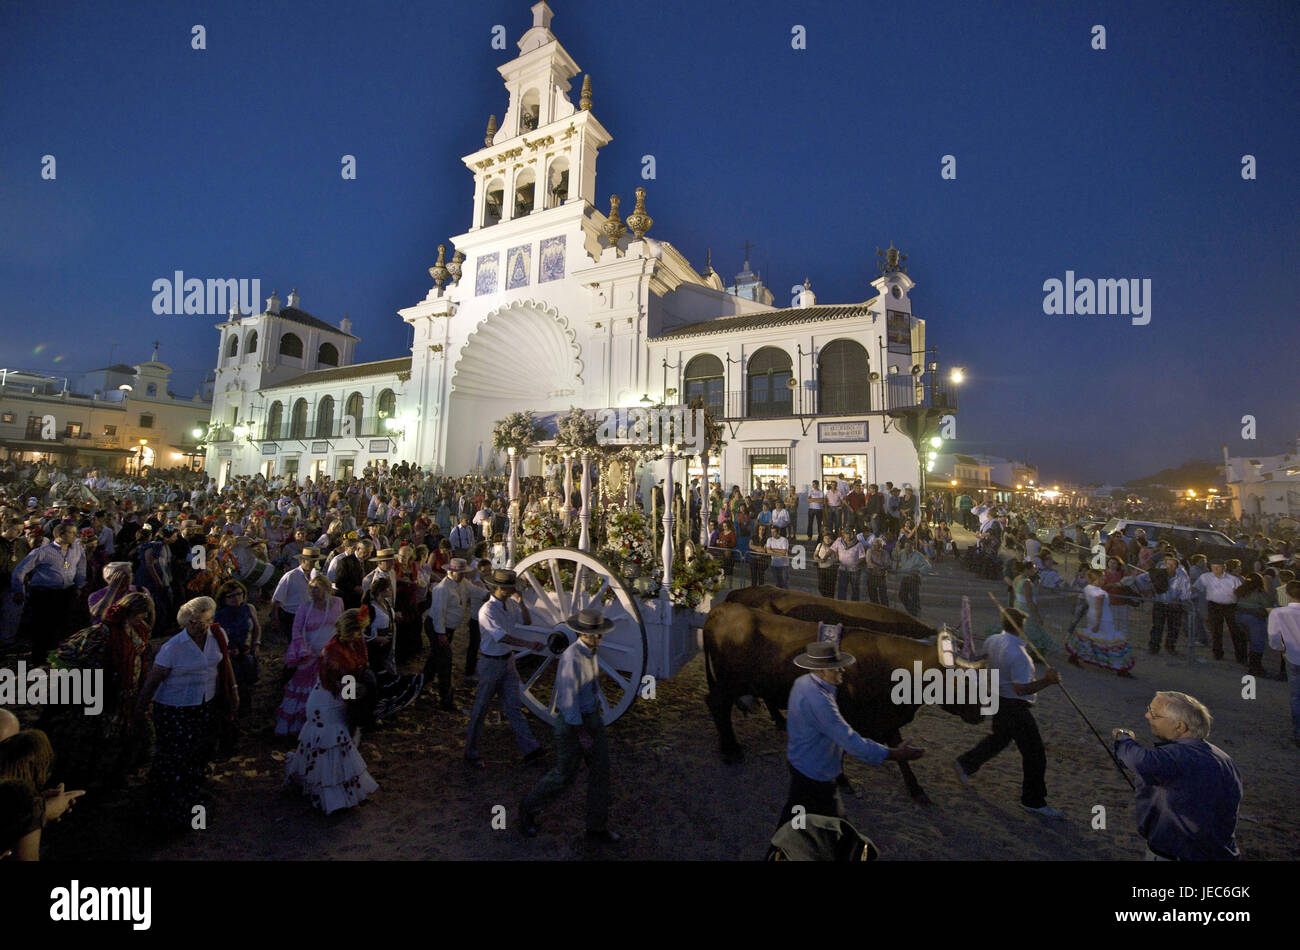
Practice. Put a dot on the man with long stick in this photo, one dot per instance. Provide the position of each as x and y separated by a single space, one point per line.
1014 720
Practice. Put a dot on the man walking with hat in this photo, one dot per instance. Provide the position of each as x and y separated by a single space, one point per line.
448 611
497 675
294 591
579 730
819 735
383 559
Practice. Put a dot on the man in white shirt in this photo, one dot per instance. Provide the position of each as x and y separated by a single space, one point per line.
483 521
816 499
579 731
497 621
834 508
780 516
1014 719
383 561
1284 635
1220 590
448 612
294 591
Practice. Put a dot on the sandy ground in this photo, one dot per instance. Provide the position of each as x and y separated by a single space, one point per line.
675 799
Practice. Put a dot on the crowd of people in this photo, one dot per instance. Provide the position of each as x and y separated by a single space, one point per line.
170 586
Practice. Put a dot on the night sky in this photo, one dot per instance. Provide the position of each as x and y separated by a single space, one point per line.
1122 163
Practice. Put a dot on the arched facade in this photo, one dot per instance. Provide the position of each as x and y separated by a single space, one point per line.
298 421
325 417
327 355
706 377
232 348
275 420
251 346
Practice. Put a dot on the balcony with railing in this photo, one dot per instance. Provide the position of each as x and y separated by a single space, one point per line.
894 393
347 427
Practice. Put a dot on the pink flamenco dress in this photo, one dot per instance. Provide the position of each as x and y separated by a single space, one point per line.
313 627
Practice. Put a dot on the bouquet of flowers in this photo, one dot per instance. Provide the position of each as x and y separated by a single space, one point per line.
627 536
576 432
542 530
518 431
694 579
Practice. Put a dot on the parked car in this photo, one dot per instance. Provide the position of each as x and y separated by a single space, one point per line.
1186 540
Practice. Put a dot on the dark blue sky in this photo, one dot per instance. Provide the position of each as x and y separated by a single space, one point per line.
1116 163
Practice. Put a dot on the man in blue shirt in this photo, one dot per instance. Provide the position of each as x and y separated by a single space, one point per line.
819 735
1188 790
579 731
48 580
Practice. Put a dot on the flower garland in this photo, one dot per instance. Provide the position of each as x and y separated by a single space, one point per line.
694 580
542 530
627 536
518 431
576 432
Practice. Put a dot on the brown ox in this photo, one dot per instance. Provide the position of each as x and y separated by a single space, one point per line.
851 613
751 653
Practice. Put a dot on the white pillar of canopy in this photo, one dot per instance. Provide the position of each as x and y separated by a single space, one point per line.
667 552
567 510
514 506
584 516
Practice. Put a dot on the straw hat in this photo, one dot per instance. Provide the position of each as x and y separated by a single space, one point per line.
823 655
384 554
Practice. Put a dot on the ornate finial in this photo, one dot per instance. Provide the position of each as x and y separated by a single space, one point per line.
891 261
807 284
638 220
584 103
439 271
613 228
454 267
491 130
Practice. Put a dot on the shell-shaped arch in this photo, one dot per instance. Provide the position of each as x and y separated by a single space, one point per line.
519 350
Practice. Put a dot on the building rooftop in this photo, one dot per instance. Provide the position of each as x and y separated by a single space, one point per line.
294 315
771 318
356 371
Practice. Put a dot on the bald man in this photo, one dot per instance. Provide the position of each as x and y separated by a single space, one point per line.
8 725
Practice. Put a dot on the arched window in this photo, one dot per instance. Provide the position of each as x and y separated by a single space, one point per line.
530 110
251 345
386 407
842 378
233 348
557 183
298 421
525 192
291 345
769 376
275 420
705 378
327 355
493 197
352 410
325 418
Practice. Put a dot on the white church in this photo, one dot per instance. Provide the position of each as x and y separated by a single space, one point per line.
549 303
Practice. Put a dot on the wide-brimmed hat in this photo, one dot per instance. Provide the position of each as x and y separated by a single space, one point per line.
823 655
309 554
501 577
1277 559
590 620
384 554
458 564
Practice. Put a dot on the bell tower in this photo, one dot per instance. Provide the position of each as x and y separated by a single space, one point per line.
542 154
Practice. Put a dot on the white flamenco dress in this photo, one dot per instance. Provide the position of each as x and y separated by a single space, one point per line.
327 765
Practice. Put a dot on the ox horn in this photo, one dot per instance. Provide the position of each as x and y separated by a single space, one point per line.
949 656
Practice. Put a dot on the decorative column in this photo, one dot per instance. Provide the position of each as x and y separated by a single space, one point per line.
567 511
704 499
584 516
514 506
667 552
630 500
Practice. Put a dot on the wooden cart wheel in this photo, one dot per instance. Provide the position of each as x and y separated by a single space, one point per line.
555 584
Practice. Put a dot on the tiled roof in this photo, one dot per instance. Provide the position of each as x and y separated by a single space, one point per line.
771 318
356 371
294 315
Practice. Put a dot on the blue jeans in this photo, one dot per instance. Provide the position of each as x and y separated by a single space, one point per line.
1293 680
1256 629
781 576
569 755
498 677
849 577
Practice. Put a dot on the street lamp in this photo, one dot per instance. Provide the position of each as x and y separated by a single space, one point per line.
958 375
